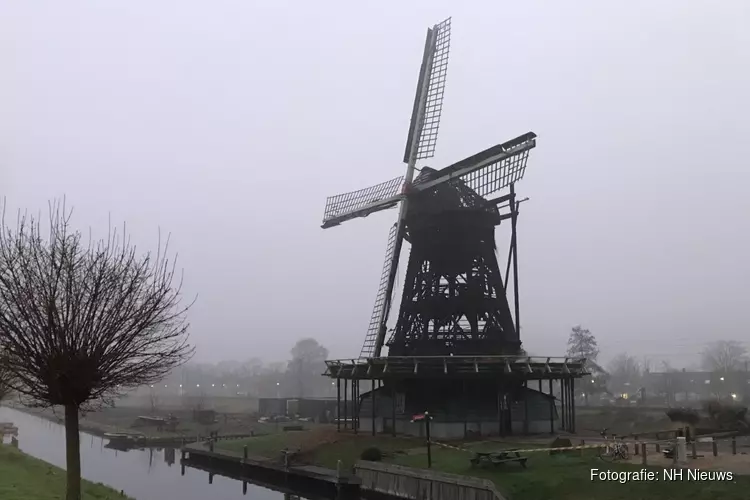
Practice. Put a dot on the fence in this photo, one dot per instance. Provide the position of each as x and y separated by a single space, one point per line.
641 447
421 484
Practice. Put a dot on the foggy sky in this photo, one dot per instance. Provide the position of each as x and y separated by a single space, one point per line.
228 123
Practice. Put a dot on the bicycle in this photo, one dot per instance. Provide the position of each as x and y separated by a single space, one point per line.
614 449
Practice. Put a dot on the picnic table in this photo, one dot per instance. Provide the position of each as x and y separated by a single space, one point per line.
495 458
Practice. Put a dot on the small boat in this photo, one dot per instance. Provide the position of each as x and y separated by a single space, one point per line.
121 436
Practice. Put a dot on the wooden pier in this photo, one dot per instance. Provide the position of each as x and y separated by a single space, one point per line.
367 479
317 482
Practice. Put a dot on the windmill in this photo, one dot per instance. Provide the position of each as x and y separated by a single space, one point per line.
424 207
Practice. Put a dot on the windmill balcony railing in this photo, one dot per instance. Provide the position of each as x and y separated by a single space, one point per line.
529 367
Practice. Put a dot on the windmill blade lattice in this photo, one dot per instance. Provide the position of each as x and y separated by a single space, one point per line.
362 202
368 348
435 90
490 170
427 119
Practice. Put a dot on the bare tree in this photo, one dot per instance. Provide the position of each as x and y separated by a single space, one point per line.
306 365
624 370
582 344
724 356
80 322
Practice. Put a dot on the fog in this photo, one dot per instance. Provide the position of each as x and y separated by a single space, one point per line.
227 124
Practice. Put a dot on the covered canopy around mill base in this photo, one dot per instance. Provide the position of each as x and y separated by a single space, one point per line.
525 367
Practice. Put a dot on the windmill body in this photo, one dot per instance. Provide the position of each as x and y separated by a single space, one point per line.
455 350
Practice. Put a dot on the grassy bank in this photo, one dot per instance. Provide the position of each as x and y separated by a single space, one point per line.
121 420
23 477
560 477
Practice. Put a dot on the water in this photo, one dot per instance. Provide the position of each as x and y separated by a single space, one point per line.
141 474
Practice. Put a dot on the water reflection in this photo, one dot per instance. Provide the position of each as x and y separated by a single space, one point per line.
144 474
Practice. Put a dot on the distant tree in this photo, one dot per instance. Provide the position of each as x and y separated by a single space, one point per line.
624 370
154 401
582 344
307 365
724 356
82 321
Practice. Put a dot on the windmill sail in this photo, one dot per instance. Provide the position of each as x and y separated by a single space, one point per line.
423 131
361 203
368 348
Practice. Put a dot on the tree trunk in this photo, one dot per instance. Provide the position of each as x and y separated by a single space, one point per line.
72 453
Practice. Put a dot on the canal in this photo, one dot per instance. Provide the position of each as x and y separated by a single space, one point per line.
142 474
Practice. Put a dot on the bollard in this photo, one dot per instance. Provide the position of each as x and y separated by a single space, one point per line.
734 445
637 446
658 448
210 445
644 460
339 471
693 450
244 453
715 447
681 451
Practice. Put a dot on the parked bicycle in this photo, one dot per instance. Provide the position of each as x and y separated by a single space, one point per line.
613 449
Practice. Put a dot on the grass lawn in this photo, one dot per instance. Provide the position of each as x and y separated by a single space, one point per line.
23 477
560 477
569 478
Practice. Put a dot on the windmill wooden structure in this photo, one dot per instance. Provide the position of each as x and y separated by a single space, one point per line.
456 339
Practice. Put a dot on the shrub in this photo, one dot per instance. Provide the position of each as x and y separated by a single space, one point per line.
683 415
371 454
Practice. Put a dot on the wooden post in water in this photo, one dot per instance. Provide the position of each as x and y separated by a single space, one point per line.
244 454
244 487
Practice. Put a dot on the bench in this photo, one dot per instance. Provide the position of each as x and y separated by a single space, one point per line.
496 458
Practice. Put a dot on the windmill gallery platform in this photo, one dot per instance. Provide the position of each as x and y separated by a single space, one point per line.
455 350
